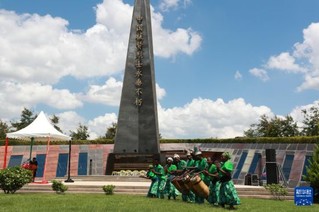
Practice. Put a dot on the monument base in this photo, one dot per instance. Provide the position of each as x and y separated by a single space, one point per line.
130 161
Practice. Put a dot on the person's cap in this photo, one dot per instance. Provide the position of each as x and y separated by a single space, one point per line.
198 153
226 155
150 166
170 159
188 153
176 156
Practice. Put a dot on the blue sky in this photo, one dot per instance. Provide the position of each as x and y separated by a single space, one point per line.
219 64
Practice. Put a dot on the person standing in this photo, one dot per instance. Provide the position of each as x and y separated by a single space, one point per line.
201 165
160 173
190 165
228 193
214 184
34 167
170 170
152 191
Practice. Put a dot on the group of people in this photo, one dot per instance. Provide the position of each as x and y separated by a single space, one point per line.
215 174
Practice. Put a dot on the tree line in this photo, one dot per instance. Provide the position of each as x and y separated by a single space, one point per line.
266 127
286 126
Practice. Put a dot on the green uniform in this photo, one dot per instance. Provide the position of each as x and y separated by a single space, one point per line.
191 196
190 163
170 188
152 191
201 165
214 186
161 180
181 165
228 193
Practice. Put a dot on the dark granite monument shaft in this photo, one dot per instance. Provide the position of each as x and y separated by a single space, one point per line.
137 128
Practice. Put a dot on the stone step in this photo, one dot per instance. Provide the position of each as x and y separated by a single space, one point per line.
131 185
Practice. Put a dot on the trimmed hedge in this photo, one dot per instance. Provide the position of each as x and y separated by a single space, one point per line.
301 139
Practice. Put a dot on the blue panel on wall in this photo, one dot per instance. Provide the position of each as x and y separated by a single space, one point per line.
82 165
62 165
254 163
15 160
306 164
286 168
240 165
41 161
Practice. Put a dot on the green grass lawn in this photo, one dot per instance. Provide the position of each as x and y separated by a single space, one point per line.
100 202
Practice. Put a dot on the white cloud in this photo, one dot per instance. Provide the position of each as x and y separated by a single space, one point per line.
207 118
297 114
107 94
202 118
110 93
166 5
304 59
15 96
285 62
310 82
238 75
99 125
37 51
43 49
259 73
309 52
69 121
160 92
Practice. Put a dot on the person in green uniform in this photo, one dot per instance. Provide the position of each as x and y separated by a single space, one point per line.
180 164
190 162
228 193
181 168
152 191
190 165
214 184
201 165
170 169
158 169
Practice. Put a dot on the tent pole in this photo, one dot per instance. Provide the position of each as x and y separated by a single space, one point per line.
45 163
31 145
69 180
5 153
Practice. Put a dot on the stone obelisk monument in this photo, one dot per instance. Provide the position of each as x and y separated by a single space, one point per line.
137 136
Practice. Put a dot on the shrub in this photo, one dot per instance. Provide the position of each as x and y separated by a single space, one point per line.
312 174
108 189
58 187
277 190
14 178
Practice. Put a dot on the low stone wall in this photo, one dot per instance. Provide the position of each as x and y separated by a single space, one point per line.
247 157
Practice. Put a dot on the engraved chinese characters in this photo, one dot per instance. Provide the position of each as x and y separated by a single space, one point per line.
139 62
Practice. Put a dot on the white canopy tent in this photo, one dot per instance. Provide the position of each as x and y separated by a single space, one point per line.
39 130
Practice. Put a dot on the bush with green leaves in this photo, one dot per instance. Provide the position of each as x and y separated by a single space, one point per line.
312 174
58 187
108 189
277 190
14 178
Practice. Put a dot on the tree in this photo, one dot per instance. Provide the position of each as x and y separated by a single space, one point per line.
27 118
4 128
312 174
311 121
111 131
55 120
81 133
274 127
